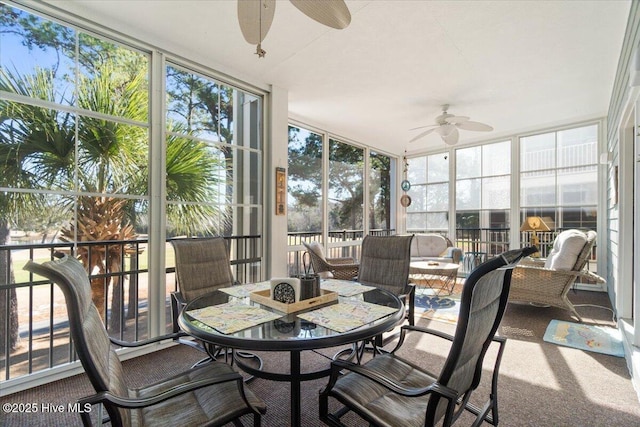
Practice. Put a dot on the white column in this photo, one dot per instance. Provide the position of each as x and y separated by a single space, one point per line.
276 155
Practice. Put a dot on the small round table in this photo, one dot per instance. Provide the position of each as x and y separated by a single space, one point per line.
436 273
285 334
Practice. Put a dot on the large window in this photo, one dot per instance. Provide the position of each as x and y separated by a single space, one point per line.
483 196
304 203
357 198
74 144
213 161
429 192
381 172
346 185
77 174
558 178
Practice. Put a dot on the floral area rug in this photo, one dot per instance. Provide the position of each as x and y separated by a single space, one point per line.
440 308
598 339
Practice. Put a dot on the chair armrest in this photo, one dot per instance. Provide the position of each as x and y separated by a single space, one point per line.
171 336
533 262
586 274
409 328
530 270
339 365
132 403
177 304
429 331
409 291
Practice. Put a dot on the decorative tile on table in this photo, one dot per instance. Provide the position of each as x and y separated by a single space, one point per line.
232 317
347 315
243 291
344 288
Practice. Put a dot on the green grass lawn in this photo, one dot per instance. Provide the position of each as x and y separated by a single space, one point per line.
22 276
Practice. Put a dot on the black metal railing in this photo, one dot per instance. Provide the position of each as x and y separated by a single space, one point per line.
41 313
341 244
35 308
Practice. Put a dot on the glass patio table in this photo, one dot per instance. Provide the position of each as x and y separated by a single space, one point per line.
292 332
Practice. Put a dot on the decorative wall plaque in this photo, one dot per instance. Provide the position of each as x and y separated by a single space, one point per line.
281 191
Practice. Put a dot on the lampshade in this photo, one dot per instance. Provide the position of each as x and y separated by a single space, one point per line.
535 224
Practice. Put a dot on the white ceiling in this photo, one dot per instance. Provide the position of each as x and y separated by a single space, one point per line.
516 65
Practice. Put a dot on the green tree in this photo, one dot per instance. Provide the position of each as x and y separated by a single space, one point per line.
346 180
50 149
380 196
197 106
305 184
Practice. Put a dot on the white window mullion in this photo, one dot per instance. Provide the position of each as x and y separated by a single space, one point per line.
157 199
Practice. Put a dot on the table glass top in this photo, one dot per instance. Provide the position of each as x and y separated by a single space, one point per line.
238 321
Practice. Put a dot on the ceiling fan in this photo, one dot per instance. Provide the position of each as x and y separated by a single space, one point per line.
447 126
255 17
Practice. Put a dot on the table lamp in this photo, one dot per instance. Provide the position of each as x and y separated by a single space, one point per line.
534 224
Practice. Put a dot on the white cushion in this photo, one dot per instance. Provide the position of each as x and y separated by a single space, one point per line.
566 249
428 245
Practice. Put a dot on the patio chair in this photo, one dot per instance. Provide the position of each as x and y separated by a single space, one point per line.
548 284
211 394
202 266
390 390
344 268
384 263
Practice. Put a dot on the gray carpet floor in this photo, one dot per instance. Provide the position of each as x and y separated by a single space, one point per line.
541 384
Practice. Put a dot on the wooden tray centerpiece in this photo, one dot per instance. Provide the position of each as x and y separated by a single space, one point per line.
264 298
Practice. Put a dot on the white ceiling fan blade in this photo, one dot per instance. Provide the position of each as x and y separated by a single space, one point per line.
422 127
452 138
332 13
457 119
255 18
425 133
474 126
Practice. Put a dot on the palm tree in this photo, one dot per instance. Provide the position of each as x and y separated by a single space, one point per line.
39 150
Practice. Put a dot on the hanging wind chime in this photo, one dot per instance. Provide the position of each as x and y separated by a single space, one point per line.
405 200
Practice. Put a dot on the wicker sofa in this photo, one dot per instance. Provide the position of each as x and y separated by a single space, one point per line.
548 282
434 247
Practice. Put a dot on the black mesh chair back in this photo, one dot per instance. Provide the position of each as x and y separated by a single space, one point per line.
89 335
389 390
483 301
202 266
384 263
208 395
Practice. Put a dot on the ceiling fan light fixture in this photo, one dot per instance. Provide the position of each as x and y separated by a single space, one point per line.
447 125
452 138
445 130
